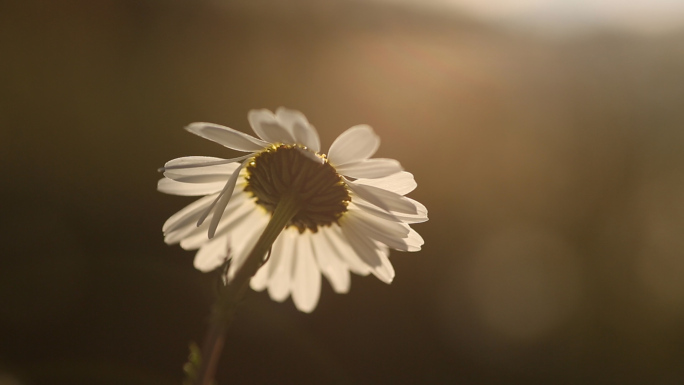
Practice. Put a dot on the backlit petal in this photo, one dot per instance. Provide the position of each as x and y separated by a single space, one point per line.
340 245
366 249
190 213
281 276
169 186
198 162
213 173
332 267
265 124
300 128
384 199
370 168
306 281
400 183
227 137
212 254
243 239
222 201
355 144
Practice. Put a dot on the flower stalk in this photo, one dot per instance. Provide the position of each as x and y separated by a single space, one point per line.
232 293
344 211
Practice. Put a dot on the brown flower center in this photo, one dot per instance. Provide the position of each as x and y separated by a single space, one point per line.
296 171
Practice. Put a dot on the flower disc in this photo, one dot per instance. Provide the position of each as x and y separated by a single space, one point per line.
287 170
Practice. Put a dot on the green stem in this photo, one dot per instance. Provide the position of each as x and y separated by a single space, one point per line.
226 304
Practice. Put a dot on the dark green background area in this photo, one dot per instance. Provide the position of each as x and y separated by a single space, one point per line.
553 171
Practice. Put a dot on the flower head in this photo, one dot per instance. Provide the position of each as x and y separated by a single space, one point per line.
351 208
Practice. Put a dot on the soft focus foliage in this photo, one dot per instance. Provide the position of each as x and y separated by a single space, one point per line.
552 171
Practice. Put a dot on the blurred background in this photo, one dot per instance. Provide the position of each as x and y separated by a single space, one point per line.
547 139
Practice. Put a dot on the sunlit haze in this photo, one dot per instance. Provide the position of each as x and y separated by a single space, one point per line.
568 16
550 161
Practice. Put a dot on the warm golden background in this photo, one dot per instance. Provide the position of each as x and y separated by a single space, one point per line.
552 166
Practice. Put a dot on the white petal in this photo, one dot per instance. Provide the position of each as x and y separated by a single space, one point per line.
300 128
370 168
367 250
355 144
377 235
383 254
236 212
206 174
334 269
384 199
221 202
281 276
276 253
383 248
414 240
375 210
388 269
260 279
265 124
228 137
199 178
401 183
389 227
339 243
189 232
184 232
390 233
188 214
198 161
243 238
306 283
169 186
420 216
212 254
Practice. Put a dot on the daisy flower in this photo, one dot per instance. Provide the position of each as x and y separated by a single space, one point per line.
340 212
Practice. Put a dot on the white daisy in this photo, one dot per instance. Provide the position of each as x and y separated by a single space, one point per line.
350 209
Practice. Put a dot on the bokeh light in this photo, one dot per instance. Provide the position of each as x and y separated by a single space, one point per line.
551 168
